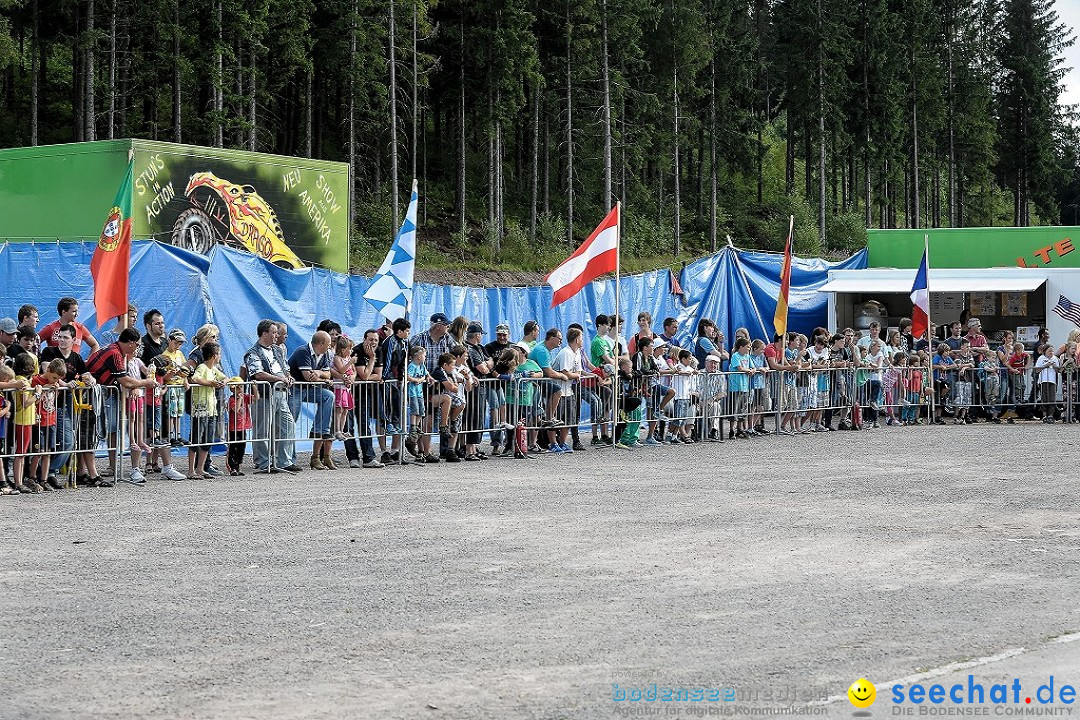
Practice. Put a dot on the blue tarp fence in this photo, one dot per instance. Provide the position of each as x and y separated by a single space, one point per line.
234 290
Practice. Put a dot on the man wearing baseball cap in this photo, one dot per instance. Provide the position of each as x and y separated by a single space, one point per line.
7 334
436 341
476 402
497 393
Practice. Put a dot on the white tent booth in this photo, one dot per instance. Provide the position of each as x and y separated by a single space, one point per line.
1007 298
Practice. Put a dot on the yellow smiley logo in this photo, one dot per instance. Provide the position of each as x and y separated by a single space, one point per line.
862 693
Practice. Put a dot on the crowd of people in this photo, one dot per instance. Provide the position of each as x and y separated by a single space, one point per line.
387 394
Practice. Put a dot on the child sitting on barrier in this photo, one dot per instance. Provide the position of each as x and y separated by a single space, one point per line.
343 371
416 375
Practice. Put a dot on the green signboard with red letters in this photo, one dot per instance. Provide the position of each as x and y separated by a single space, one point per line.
1053 247
293 212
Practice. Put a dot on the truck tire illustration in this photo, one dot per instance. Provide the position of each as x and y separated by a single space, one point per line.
221 211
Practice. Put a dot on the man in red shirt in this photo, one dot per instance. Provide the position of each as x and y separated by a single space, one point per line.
68 309
109 368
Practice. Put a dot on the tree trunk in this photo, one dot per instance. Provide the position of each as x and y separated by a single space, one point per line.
712 152
219 83
177 98
461 141
253 127
490 166
112 71
309 112
415 94
535 189
916 221
677 216
352 114
868 211
607 106
78 57
35 40
393 121
91 45
238 106
547 166
821 133
569 134
789 156
500 218
623 189
950 24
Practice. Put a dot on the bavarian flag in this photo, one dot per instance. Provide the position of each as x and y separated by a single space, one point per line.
112 257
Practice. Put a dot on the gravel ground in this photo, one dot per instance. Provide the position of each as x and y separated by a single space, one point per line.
516 589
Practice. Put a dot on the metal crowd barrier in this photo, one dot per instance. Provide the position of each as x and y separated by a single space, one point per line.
168 421
53 432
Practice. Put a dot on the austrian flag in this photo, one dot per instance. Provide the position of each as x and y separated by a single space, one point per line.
597 256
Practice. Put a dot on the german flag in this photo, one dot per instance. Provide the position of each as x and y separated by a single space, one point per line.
780 318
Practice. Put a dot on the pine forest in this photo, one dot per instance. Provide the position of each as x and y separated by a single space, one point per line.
525 121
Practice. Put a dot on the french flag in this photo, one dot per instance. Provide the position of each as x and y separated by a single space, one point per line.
920 296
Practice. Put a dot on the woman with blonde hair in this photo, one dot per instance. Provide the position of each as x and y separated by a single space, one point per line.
457 329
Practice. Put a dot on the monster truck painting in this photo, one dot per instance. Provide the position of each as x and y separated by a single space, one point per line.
221 211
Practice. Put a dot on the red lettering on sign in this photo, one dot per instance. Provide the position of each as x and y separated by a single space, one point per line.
1064 247
1044 253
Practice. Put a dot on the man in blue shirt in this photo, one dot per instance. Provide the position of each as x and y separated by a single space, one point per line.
548 386
309 366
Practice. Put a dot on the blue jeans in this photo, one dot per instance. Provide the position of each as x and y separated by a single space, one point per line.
65 437
321 397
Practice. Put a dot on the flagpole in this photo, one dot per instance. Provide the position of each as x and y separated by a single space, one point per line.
929 337
618 330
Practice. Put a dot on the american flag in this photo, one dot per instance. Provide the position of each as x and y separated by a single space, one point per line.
1067 309
676 286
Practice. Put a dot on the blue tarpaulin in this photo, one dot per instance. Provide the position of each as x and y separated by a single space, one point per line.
234 289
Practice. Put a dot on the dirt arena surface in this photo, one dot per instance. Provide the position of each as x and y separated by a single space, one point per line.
541 589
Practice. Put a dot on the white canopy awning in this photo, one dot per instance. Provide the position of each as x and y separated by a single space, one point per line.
900 281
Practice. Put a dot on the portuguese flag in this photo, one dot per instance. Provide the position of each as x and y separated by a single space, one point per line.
112 257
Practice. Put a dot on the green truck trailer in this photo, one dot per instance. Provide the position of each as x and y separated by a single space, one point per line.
985 247
293 212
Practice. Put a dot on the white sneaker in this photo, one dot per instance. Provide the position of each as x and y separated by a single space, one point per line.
171 473
135 477
354 463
